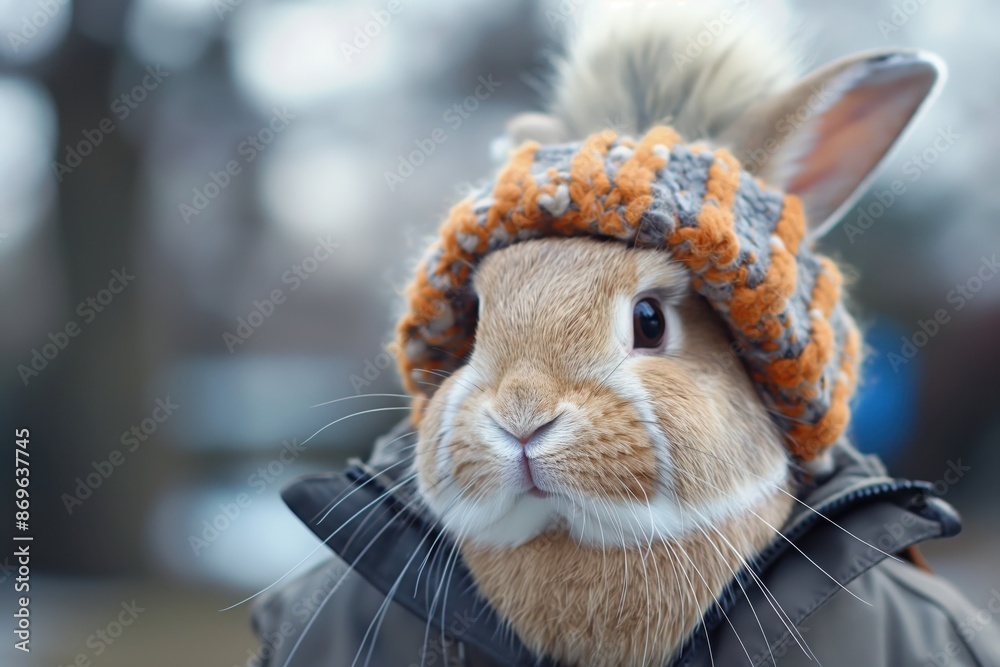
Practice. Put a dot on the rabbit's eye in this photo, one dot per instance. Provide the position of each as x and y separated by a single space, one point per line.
648 324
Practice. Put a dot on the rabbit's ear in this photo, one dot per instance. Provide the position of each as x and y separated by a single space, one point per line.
824 138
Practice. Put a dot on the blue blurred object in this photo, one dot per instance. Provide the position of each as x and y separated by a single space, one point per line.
884 413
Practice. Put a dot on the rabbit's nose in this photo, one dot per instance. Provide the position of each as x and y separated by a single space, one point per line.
525 435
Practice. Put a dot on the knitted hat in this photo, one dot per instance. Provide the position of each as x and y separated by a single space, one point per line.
741 240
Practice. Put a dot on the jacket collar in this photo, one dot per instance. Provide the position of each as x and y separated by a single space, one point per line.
843 525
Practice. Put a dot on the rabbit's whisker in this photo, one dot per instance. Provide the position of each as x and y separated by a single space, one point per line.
340 581
332 505
356 414
464 362
429 384
697 571
600 384
357 396
745 565
782 535
442 374
409 504
790 495
444 572
388 491
383 609
649 552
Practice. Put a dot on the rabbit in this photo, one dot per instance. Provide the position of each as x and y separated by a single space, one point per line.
601 455
631 371
588 499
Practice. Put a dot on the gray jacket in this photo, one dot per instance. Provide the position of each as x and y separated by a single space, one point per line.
325 616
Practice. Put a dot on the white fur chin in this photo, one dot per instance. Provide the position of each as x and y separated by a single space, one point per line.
528 518
512 521
631 523
520 519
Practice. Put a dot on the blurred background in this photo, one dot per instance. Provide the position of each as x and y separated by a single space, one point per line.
199 241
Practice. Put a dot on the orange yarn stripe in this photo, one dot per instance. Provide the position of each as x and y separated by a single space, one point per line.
588 182
714 236
808 440
508 190
637 173
808 368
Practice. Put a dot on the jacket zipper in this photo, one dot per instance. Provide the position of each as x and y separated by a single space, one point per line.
865 492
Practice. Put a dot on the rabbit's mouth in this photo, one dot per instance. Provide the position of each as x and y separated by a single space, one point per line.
515 514
533 488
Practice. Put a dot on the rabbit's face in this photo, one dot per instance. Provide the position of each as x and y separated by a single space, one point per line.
602 397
